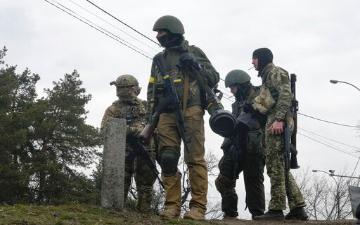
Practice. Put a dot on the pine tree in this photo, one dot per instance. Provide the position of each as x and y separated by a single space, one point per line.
17 95
44 141
62 141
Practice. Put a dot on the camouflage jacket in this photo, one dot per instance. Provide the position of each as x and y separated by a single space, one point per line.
133 112
171 57
277 81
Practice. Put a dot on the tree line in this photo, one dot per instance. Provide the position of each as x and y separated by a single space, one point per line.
44 140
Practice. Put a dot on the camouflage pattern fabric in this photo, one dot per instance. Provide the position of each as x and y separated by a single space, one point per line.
169 138
135 165
277 81
251 162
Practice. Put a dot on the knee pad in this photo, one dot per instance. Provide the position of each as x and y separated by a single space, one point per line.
224 184
169 159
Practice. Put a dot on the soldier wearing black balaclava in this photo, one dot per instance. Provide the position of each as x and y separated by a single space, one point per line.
182 63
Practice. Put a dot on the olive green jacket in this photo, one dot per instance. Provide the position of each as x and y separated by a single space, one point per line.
171 57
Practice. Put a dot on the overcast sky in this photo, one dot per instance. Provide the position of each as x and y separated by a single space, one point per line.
317 40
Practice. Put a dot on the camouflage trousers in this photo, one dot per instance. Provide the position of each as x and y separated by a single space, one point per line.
252 166
275 169
137 166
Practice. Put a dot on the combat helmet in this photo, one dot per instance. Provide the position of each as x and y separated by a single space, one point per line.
125 80
170 23
235 77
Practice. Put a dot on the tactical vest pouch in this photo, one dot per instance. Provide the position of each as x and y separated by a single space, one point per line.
255 142
264 101
159 88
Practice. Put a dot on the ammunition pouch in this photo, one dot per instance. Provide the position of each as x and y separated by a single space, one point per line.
264 101
159 88
255 143
165 105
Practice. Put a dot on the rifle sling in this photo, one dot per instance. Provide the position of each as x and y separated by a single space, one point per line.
186 93
179 114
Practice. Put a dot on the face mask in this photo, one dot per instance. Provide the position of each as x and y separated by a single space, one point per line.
127 93
170 40
242 92
164 40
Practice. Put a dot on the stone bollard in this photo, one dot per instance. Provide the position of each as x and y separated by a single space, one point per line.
112 186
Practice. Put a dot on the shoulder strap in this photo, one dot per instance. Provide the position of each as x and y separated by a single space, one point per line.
186 92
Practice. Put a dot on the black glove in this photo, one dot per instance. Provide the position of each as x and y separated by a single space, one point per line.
188 61
247 108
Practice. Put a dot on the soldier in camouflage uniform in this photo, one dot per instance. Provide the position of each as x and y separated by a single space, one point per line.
250 160
276 81
131 108
170 35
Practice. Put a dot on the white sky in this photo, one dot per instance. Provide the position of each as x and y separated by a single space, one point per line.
317 40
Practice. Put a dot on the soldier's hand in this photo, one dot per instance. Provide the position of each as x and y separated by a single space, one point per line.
247 108
277 127
188 60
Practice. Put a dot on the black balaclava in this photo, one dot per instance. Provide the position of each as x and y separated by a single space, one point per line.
170 40
264 56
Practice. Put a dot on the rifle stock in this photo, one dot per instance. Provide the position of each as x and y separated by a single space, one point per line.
149 128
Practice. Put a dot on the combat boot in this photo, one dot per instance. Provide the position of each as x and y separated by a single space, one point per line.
195 213
144 201
271 215
229 218
297 214
170 213
253 215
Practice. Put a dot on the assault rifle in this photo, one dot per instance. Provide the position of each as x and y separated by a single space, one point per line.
294 109
290 152
172 99
140 150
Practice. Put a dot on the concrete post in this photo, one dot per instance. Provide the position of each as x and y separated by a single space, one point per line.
112 187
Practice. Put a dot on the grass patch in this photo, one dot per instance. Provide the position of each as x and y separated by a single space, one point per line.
77 214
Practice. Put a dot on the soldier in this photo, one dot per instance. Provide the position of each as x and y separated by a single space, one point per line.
276 100
131 108
180 60
250 160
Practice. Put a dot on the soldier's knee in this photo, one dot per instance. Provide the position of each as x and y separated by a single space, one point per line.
224 183
169 159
